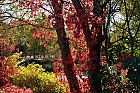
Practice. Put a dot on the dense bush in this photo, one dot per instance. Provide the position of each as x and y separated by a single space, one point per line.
7 68
121 77
5 48
4 71
34 77
133 66
15 89
16 79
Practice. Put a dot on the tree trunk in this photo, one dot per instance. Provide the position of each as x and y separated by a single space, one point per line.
68 62
94 50
94 55
98 11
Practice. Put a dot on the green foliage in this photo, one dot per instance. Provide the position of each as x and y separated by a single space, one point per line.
110 80
48 67
117 49
107 91
134 69
13 59
127 27
33 77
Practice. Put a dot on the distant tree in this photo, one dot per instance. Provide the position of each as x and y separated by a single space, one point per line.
21 33
126 26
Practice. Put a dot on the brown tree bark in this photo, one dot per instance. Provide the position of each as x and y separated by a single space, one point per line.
94 51
63 42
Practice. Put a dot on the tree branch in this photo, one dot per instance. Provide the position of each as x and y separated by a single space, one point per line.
77 5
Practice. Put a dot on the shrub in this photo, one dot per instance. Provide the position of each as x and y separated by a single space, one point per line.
4 71
5 48
7 68
15 89
132 64
34 77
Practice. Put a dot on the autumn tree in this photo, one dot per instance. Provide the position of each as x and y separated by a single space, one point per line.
80 21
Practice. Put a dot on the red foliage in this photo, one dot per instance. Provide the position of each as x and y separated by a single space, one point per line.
124 55
5 49
121 58
5 69
15 89
103 62
124 72
75 24
119 65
